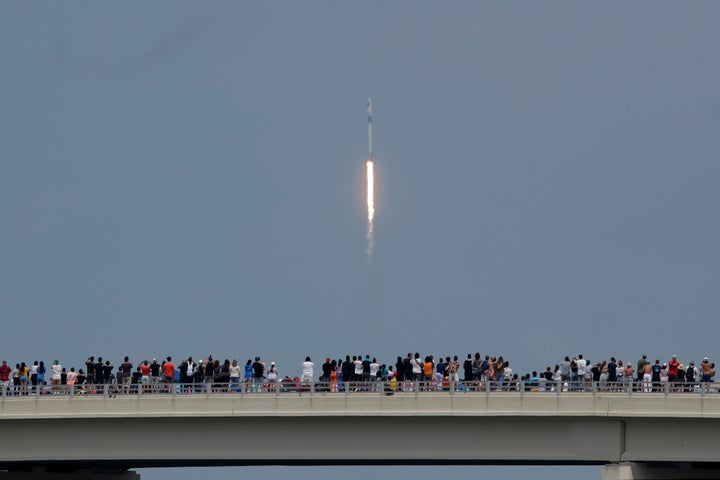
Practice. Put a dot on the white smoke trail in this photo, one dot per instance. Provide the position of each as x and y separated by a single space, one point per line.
371 210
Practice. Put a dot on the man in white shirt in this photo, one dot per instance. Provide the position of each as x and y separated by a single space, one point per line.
374 367
582 370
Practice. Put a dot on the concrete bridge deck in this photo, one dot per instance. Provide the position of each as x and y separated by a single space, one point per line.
679 430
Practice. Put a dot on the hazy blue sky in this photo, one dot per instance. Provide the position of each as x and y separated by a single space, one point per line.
185 178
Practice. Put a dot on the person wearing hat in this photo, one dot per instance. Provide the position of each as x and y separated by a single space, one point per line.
258 374
155 371
680 378
326 370
56 372
706 368
272 373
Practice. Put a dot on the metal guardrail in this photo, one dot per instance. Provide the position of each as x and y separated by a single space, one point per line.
293 387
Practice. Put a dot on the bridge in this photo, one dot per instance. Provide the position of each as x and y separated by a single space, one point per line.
633 435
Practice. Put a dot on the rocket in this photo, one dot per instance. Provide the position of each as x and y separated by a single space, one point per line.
369 105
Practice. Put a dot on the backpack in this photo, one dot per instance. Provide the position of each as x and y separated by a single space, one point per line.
690 374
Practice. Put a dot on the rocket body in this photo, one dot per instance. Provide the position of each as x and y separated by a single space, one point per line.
369 106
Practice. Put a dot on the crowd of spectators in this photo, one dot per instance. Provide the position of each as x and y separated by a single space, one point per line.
356 372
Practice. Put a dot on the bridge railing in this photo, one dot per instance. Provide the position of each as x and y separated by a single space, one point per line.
370 387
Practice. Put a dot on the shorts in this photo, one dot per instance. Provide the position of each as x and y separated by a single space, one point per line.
145 380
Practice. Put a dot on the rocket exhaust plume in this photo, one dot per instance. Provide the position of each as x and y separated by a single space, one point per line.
370 188
371 209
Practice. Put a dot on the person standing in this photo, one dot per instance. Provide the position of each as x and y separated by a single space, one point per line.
358 371
5 372
107 372
99 372
258 374
565 370
612 375
673 365
706 371
273 373
334 376
451 369
90 367
145 375
41 373
629 374
641 368
16 379
168 369
71 379
656 370
125 372
326 369
34 374
400 369
347 375
467 369
24 375
582 369
417 367
234 374
620 375
155 372
308 368
574 374
647 377
190 371
56 373
428 367
374 368
691 376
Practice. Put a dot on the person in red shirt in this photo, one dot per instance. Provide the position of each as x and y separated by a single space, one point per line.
673 365
4 377
168 368
145 374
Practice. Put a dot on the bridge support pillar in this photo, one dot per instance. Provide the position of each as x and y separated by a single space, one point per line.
664 471
81 474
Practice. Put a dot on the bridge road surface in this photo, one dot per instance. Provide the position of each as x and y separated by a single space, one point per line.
643 435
